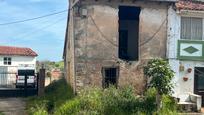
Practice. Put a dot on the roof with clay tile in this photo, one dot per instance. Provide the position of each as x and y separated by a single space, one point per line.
190 5
9 50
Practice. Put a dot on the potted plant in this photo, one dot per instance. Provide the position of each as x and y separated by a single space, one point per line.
185 78
189 70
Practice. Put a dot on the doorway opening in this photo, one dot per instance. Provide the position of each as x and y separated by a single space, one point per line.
199 82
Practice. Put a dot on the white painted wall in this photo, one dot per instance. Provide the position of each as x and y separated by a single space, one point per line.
173 33
19 61
185 86
181 87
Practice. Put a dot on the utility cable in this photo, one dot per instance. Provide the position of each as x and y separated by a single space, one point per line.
116 44
42 28
153 34
103 36
36 31
35 18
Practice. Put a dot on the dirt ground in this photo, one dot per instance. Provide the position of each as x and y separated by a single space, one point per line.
12 106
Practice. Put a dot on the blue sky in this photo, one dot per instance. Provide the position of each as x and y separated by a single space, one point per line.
45 35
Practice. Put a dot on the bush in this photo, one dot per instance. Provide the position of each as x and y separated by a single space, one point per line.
96 101
110 101
55 95
70 107
57 92
149 103
168 102
160 74
91 99
40 111
169 106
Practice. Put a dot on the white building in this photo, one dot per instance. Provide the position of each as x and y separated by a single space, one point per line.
186 47
12 59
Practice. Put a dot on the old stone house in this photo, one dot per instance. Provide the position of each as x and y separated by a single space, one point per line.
109 41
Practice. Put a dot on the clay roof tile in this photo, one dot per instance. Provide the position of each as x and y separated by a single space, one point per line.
8 50
190 5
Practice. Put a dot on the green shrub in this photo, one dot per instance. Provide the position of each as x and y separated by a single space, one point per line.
69 108
97 101
164 111
169 106
40 111
91 99
149 103
168 102
56 94
161 75
127 101
110 100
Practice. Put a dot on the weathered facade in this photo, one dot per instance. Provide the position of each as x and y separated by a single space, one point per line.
96 53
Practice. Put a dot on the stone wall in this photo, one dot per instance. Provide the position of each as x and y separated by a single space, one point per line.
96 42
69 58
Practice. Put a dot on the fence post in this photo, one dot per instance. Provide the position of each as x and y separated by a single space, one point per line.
41 82
25 85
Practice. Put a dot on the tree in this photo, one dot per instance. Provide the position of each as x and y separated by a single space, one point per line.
161 75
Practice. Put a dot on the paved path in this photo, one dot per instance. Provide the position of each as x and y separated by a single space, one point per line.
12 106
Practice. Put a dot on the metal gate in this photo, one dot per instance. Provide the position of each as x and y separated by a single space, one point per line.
9 82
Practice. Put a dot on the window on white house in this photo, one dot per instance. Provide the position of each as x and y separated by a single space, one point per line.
191 28
7 60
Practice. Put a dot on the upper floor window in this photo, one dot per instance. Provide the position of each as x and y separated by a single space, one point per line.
129 33
191 28
7 60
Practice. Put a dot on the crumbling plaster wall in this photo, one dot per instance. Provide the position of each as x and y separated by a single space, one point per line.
96 42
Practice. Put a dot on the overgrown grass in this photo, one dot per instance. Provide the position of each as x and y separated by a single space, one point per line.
59 100
112 101
55 95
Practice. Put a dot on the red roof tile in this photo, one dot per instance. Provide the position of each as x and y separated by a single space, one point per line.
190 5
8 50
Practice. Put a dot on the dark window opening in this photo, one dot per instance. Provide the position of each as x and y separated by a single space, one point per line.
110 76
129 33
26 72
199 82
7 60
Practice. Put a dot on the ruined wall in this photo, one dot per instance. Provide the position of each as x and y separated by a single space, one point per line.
96 42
